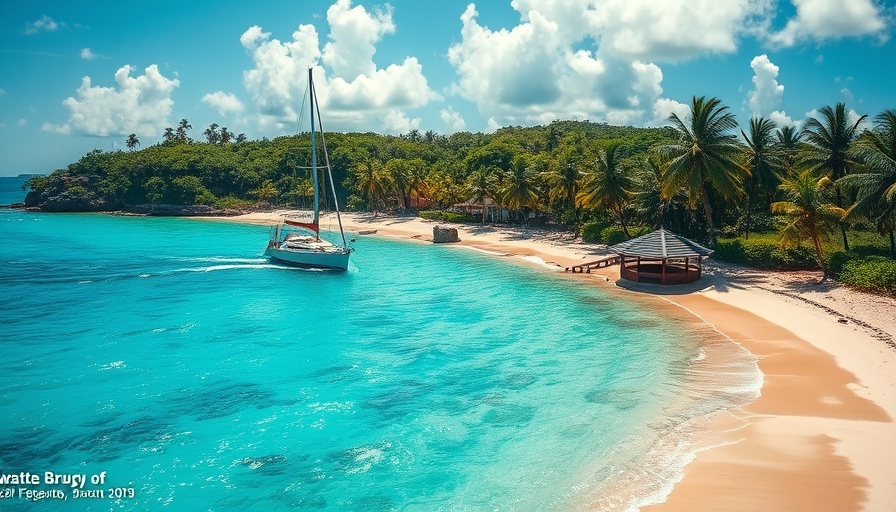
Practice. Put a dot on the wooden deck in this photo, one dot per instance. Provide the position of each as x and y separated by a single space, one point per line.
612 259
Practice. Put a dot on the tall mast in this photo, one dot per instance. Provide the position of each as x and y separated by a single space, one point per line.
313 152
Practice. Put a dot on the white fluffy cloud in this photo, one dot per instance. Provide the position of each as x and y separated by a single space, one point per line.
351 89
223 102
397 122
663 110
591 60
454 122
781 119
601 59
511 68
87 54
767 94
536 71
139 104
673 30
354 33
821 19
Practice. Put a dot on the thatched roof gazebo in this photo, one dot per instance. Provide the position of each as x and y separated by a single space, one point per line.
661 257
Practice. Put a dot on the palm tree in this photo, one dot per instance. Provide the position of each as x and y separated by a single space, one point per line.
761 161
482 185
608 186
829 140
706 155
211 133
787 145
417 180
564 180
225 136
875 186
169 134
519 191
399 172
370 180
265 192
182 130
305 190
810 213
132 141
649 202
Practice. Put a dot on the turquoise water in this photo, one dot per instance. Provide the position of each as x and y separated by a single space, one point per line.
11 190
169 354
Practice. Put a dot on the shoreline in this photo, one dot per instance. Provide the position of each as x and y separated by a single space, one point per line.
820 435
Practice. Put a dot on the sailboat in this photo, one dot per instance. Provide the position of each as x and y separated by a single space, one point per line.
297 241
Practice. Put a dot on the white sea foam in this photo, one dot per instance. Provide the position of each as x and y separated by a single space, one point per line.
213 268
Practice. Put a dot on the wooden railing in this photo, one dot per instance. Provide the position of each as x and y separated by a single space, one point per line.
586 267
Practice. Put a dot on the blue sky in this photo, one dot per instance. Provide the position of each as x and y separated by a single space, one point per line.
78 76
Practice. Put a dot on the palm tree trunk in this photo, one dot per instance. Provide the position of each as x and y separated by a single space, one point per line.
842 225
707 209
621 214
817 241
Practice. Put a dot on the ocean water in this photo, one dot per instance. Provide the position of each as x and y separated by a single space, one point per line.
167 359
11 189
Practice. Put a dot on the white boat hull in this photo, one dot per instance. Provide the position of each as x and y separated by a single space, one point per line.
336 258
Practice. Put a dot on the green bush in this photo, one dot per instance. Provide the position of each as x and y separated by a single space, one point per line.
591 231
761 253
640 231
354 203
568 217
432 214
612 235
232 203
457 217
444 216
206 198
876 274
837 260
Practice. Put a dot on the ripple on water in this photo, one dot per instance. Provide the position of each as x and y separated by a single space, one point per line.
212 380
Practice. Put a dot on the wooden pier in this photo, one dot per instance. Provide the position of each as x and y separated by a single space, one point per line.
612 259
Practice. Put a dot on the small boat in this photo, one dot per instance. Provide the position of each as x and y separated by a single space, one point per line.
297 241
367 232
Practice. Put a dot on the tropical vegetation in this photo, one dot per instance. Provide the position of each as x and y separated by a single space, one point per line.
767 195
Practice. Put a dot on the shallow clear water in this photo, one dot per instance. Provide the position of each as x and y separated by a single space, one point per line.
171 355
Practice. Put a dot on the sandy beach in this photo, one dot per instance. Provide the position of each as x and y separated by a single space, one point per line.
822 435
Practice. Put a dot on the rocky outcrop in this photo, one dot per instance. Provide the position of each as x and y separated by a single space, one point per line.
179 210
442 235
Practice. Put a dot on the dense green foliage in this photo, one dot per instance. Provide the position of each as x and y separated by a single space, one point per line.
445 216
777 195
612 235
591 231
763 252
875 274
410 172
